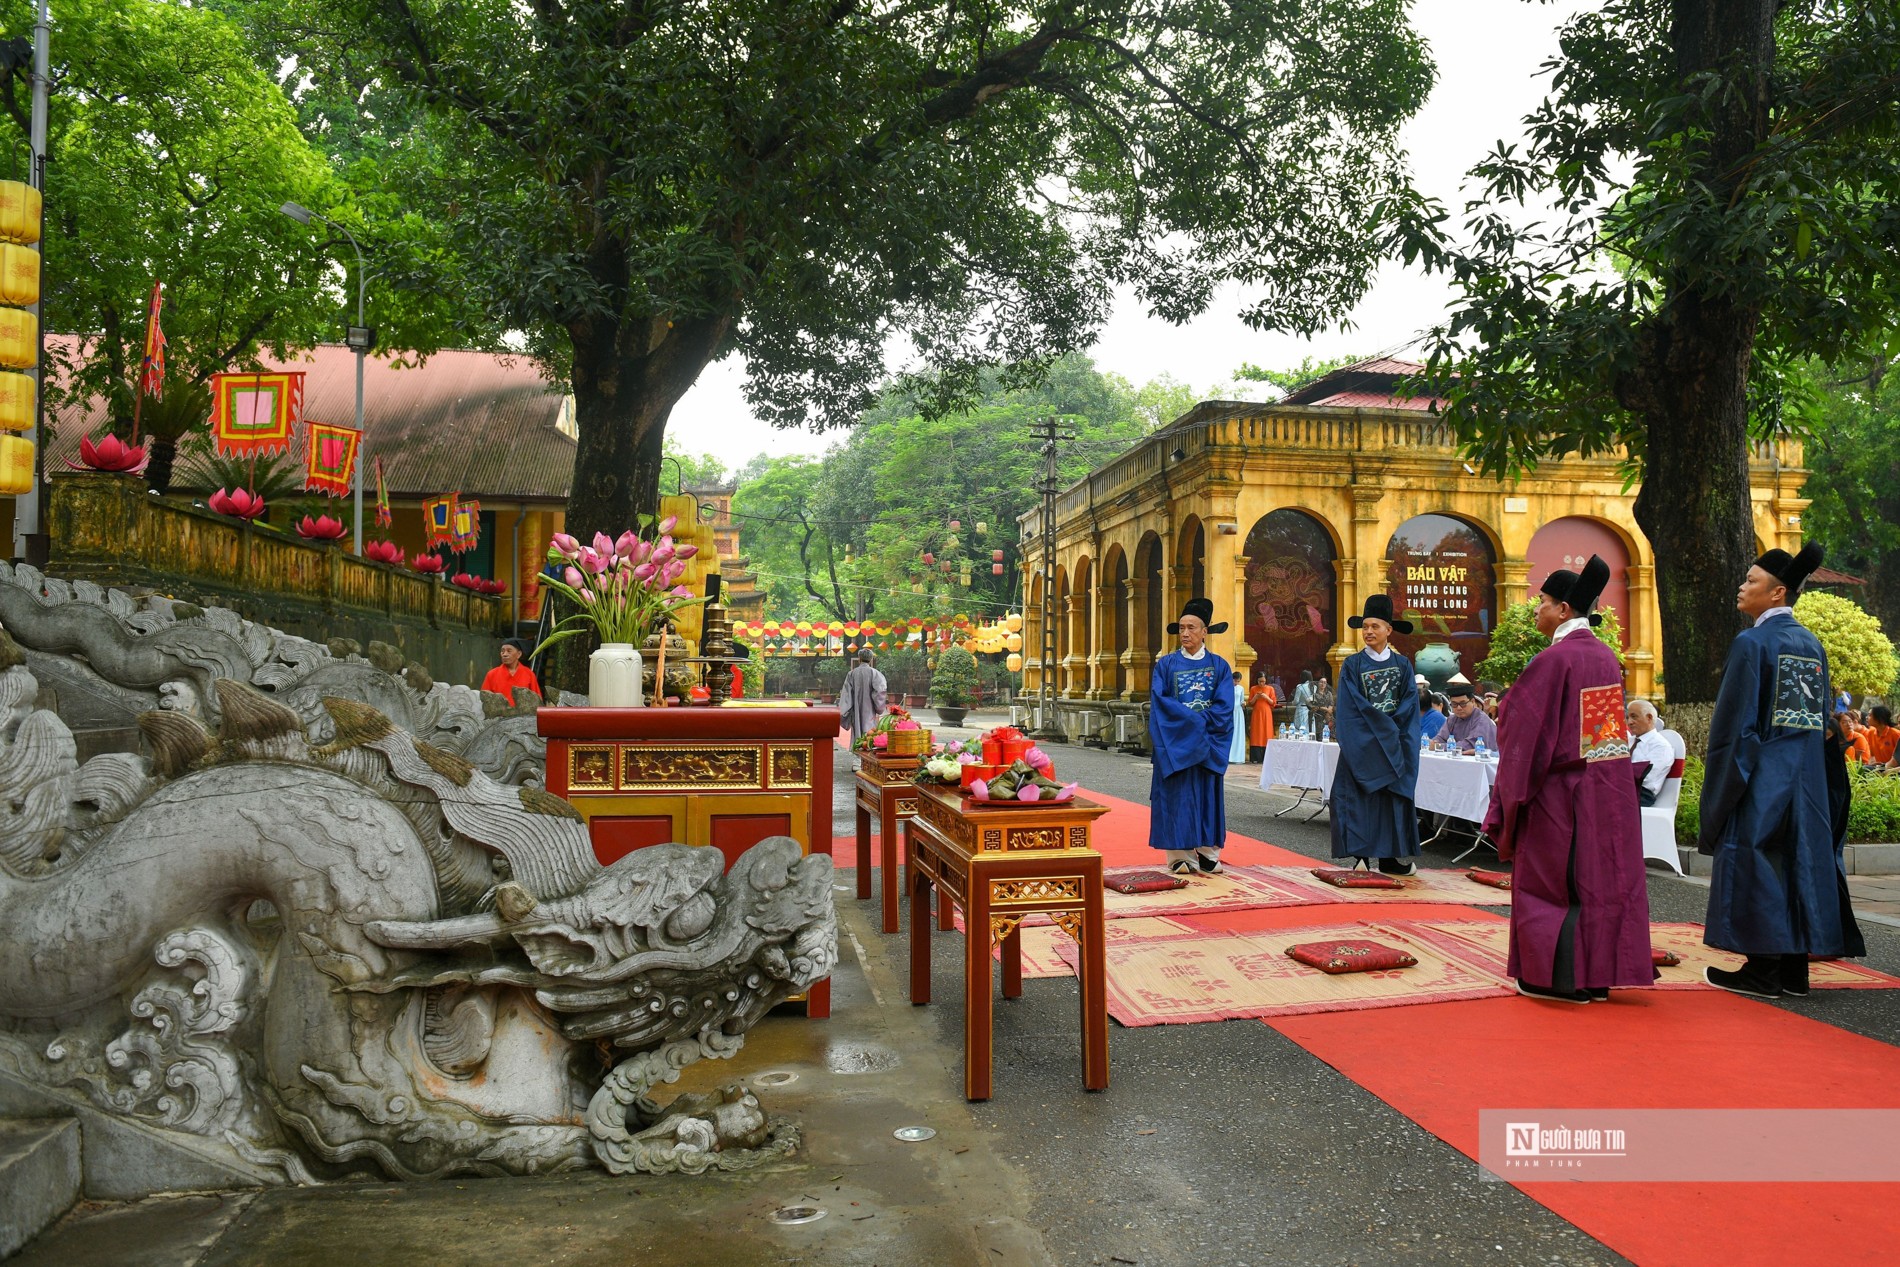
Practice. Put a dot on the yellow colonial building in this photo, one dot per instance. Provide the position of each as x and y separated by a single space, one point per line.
1288 514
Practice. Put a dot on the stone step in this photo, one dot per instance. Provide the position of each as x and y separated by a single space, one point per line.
39 1176
1855 860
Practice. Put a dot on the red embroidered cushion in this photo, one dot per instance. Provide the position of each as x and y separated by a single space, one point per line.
1349 956
1496 879
1341 877
1143 881
1663 958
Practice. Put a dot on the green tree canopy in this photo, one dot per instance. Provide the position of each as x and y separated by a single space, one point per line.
1707 195
644 187
1853 449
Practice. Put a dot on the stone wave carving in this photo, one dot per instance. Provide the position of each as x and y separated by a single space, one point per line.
342 949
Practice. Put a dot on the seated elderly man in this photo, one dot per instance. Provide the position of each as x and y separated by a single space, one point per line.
1651 757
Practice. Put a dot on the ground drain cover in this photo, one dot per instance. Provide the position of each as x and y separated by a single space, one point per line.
914 1134
775 1079
798 1214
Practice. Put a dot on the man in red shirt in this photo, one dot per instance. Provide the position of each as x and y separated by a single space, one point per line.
512 673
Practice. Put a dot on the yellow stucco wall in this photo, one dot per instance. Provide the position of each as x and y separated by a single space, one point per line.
1361 473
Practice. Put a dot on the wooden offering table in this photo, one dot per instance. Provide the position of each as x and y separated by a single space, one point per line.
885 788
1000 865
724 777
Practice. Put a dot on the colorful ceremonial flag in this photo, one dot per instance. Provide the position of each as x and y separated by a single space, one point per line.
330 458
468 526
438 519
152 365
254 413
384 517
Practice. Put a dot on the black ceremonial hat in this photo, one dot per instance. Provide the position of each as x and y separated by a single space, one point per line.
1580 589
1205 610
1379 607
1792 570
1458 690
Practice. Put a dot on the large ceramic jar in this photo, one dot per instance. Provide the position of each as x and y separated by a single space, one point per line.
1438 662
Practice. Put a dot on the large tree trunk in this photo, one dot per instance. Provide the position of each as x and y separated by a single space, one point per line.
1694 505
628 375
1692 387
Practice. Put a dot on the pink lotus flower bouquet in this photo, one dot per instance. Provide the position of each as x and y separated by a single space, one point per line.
625 587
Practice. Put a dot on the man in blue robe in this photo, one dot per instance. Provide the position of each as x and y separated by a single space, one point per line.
1191 723
1376 723
1777 893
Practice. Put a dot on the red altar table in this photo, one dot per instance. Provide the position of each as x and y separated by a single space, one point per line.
723 777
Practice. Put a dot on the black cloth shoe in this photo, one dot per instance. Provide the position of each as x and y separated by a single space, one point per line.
1598 995
1397 866
1209 865
1530 991
1793 972
1756 985
1181 866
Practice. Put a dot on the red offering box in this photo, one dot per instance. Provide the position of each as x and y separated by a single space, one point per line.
977 770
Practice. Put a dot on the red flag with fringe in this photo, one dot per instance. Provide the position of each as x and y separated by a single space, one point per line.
330 458
152 364
384 517
255 413
438 519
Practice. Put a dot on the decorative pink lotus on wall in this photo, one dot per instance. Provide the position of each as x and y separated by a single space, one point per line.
239 503
428 564
111 454
322 528
383 552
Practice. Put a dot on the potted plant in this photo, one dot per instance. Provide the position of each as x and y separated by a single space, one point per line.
625 589
953 686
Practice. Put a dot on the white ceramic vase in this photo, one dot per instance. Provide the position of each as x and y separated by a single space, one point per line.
613 677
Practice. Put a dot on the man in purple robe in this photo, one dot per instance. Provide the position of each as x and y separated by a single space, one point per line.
1565 809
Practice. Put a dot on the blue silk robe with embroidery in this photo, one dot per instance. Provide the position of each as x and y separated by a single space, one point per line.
1191 724
1376 722
1777 887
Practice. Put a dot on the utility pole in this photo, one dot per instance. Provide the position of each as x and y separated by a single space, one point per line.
1052 431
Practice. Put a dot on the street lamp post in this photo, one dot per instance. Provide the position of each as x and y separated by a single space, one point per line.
360 337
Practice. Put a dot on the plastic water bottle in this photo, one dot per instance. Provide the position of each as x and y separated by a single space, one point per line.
1482 754
1424 742
1326 733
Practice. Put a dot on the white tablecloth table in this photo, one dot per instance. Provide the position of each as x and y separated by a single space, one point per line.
1306 764
1455 785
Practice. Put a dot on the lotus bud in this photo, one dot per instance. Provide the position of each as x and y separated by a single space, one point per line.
623 545
566 544
573 577
667 524
644 572
587 595
686 551
680 591
603 544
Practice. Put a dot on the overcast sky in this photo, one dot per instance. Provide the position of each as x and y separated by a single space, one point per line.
1487 53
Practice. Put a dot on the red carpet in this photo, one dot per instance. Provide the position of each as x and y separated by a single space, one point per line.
1652 1049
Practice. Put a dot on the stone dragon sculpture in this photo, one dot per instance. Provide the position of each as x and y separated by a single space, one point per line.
332 946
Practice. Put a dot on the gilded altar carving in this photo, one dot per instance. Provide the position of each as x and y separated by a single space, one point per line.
590 768
1037 838
1035 889
905 808
790 766
688 766
1069 922
992 839
902 774
1078 838
1002 926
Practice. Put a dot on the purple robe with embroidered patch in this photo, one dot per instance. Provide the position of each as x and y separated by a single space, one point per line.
1565 809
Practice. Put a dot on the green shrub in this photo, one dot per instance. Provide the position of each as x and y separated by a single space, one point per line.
1873 816
1516 640
1860 657
954 683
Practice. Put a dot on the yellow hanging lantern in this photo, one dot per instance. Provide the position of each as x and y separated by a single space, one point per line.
19 339
1014 642
1014 664
19 212
19 275
16 402
1015 622
16 465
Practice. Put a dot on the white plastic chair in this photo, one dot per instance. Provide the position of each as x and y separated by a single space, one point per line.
1659 820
